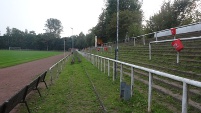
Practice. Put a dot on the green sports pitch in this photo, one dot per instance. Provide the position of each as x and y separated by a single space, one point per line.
13 57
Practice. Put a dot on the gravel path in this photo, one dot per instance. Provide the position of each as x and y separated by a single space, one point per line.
14 78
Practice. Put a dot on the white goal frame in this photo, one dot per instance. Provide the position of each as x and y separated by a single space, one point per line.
15 48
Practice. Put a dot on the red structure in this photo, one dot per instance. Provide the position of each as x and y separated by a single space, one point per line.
177 44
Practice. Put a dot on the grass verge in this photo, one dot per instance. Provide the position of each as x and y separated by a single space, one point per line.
73 93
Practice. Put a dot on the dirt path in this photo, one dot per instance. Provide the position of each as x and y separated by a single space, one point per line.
12 79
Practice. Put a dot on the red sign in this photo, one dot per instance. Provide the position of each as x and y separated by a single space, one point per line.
177 44
173 31
105 48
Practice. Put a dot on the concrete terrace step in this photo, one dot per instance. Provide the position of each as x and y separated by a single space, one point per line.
187 74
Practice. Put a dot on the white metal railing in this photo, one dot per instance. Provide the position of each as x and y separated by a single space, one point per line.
194 27
143 36
184 39
58 66
95 59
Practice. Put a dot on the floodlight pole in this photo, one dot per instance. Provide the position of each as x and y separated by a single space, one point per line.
72 38
116 50
64 46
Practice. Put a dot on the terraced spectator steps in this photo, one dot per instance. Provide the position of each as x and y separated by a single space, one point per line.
135 50
140 74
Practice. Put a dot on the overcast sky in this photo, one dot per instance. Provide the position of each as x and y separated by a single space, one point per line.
81 15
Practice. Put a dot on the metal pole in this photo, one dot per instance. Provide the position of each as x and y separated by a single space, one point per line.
64 46
185 98
72 38
132 80
108 68
150 92
149 51
177 57
116 51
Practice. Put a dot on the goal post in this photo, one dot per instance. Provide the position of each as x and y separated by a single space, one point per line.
15 48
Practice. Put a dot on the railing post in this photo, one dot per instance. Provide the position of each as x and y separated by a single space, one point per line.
134 41
121 73
185 98
57 69
101 64
156 36
93 59
51 75
61 65
150 92
144 40
104 65
98 62
108 67
132 80
177 57
113 71
149 51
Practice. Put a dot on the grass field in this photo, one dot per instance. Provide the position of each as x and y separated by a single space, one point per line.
11 58
72 93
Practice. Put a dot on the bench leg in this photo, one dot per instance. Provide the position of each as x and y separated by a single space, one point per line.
27 107
45 84
38 91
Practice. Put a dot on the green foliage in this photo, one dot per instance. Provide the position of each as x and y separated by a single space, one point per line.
130 15
54 26
178 13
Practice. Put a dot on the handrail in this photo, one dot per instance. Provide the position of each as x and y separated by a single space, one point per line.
97 60
192 38
184 39
171 76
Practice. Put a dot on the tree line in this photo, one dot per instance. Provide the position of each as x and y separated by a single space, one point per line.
171 14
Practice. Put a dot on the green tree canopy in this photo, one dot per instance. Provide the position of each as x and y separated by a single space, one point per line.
130 17
172 14
54 26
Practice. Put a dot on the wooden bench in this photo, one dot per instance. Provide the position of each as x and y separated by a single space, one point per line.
2 108
42 78
34 86
16 99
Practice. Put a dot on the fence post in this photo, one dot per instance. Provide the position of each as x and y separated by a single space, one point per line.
108 67
104 65
121 73
150 92
149 51
113 71
143 39
57 70
132 80
177 57
51 75
134 41
93 60
98 62
101 64
185 98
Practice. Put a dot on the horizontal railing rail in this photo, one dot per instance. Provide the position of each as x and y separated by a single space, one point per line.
162 41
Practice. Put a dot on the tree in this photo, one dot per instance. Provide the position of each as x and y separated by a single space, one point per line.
130 16
172 14
54 26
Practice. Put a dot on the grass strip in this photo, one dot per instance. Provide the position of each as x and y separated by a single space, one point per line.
73 93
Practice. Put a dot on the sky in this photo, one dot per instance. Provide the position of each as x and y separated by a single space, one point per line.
81 15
